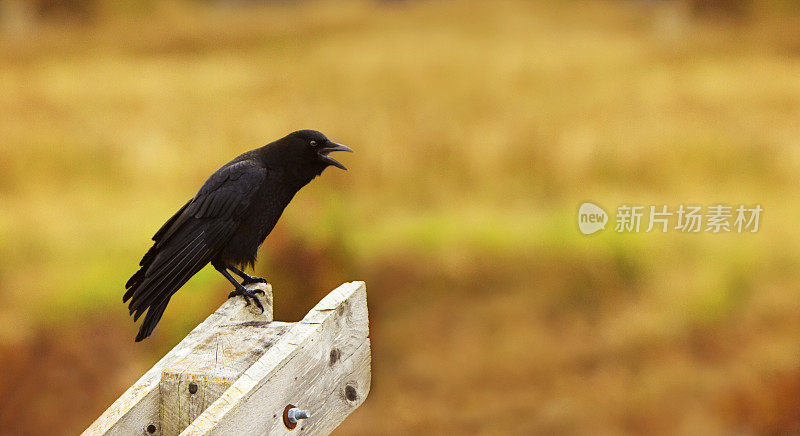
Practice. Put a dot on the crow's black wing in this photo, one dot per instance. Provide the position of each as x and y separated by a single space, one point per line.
190 239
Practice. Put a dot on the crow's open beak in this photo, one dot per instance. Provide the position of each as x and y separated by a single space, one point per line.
331 147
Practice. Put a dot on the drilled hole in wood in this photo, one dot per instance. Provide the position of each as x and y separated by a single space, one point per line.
350 393
193 388
335 355
151 429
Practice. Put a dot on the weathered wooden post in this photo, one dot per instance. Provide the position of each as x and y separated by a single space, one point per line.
240 373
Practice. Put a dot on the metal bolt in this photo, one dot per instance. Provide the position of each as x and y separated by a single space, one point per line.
291 414
295 414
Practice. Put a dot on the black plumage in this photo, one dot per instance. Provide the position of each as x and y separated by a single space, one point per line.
226 222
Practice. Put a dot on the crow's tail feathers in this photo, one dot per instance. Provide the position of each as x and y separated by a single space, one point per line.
164 269
151 319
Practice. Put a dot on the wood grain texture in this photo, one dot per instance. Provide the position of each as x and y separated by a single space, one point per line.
139 407
322 364
190 384
237 371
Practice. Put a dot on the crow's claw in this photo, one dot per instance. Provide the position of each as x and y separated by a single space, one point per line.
248 295
251 280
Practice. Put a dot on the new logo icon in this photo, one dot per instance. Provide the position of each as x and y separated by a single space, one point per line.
591 218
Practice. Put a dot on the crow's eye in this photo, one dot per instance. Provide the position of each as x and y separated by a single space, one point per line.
313 143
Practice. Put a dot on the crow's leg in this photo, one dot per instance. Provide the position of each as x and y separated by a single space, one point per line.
247 279
240 289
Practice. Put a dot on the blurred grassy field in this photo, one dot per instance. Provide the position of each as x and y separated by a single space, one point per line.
478 128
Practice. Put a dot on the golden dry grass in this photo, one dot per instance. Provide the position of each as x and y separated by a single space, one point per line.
479 129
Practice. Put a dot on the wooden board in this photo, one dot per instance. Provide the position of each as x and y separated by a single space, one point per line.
191 383
322 365
237 372
139 407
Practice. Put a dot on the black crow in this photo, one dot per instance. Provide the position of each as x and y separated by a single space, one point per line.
226 221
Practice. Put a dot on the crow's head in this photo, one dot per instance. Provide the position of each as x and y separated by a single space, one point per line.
311 149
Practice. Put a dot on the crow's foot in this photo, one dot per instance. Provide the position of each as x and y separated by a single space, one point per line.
249 280
248 295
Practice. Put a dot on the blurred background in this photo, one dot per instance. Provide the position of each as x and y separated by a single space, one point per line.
479 128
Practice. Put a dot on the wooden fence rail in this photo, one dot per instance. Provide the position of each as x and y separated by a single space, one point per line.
239 373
